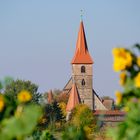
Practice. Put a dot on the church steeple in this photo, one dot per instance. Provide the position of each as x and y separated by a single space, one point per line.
81 55
82 77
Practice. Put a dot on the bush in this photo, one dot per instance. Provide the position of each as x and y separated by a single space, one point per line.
72 133
82 116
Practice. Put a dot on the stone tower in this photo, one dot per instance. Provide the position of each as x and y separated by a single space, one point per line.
82 69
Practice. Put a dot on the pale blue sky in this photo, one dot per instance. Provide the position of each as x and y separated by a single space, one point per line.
38 37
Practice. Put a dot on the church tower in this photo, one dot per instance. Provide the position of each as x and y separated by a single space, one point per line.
79 87
82 69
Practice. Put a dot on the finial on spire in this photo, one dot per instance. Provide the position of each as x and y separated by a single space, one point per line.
81 15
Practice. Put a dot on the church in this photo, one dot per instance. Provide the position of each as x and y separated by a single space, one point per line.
80 85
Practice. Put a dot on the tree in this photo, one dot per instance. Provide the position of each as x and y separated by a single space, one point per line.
53 114
81 125
82 116
11 90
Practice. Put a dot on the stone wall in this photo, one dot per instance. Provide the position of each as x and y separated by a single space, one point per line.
85 91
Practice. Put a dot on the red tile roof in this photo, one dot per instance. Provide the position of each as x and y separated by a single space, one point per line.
109 112
73 98
81 55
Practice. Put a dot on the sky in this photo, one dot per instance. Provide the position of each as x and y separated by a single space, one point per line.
38 39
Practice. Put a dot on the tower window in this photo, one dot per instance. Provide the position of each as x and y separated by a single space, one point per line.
83 69
83 82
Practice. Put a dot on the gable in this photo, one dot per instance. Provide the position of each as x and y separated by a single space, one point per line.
98 105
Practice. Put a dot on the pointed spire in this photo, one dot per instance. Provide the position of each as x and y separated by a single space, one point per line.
73 99
82 55
50 97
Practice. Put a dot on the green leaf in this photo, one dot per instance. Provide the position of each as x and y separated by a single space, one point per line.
1 86
17 127
129 85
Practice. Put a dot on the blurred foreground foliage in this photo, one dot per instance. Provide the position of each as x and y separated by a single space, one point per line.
127 62
20 111
24 117
21 125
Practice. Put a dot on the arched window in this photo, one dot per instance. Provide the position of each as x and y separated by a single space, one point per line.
83 69
83 82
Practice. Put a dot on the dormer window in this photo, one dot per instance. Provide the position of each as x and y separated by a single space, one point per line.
83 82
83 69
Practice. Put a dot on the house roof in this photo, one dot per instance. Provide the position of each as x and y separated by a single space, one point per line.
73 98
109 112
81 55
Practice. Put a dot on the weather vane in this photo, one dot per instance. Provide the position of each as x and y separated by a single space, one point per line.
81 14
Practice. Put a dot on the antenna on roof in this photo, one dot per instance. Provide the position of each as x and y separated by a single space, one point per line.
81 15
